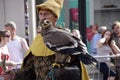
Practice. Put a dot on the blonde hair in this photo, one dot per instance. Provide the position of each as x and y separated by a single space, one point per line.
116 23
11 24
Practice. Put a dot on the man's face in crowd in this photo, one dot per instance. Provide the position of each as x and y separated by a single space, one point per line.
46 14
116 29
10 29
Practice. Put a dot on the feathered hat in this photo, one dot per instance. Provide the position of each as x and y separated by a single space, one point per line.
54 5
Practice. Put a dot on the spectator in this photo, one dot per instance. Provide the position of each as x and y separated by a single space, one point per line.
91 31
116 32
105 47
4 53
39 58
116 38
96 38
17 46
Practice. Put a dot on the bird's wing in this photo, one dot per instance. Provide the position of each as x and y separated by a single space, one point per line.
82 46
59 39
87 59
64 42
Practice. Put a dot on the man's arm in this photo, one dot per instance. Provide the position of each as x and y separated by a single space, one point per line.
24 44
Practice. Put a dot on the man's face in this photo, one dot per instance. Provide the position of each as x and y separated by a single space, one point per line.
46 14
116 30
10 29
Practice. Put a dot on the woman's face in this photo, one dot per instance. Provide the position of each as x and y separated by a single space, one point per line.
107 35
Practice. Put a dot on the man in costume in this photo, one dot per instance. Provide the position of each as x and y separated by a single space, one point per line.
39 58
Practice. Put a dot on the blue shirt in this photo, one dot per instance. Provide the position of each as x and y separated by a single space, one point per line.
93 44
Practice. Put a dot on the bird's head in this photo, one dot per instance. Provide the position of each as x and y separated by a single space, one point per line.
46 24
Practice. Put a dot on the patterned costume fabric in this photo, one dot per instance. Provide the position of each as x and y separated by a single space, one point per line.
39 68
35 68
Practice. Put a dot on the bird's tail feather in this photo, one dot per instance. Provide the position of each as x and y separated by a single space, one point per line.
87 59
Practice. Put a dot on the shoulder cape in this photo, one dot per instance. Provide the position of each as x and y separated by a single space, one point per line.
38 48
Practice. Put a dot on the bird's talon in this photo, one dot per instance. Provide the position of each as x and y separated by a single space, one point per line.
55 65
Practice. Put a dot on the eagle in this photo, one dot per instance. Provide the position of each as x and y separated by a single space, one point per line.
64 42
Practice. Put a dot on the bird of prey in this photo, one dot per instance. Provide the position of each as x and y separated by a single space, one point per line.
65 42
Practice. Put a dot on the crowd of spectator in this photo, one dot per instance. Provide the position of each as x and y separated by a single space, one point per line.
106 42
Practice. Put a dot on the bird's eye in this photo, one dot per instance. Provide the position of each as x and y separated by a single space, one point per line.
47 22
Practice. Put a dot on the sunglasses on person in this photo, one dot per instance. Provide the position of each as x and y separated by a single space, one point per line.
7 36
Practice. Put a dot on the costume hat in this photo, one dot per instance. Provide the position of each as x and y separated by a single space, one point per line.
54 5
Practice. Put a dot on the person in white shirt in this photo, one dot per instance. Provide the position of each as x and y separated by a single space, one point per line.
17 46
105 47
